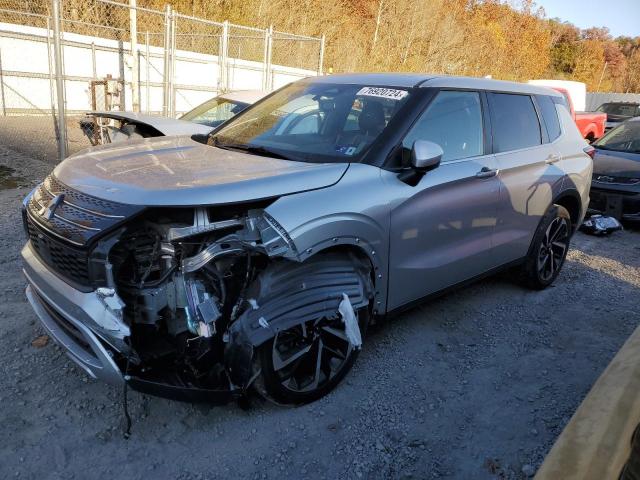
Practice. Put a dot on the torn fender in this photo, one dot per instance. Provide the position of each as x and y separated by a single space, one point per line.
289 293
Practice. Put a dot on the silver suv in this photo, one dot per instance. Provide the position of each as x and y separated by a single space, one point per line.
198 267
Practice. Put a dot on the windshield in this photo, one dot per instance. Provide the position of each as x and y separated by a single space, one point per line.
214 112
622 109
623 138
314 122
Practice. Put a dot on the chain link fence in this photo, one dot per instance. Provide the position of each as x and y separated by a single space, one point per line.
196 64
62 58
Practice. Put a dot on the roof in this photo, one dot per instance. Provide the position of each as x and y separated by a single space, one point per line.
489 84
408 80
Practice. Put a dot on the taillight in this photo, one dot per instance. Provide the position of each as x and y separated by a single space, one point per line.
590 151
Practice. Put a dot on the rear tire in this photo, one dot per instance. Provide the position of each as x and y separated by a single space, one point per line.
548 249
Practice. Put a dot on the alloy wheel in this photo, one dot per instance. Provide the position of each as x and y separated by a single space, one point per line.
307 356
553 248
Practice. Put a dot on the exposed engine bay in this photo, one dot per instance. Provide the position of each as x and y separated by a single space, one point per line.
197 291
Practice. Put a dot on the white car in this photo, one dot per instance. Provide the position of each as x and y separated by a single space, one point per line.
111 127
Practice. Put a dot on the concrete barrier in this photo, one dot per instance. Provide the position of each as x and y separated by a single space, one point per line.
596 443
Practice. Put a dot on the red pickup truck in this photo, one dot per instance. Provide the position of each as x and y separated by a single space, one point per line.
590 124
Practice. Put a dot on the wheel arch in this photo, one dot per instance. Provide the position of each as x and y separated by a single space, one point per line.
361 249
350 233
570 199
288 292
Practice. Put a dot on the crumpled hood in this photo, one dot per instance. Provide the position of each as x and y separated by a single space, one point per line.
616 164
164 125
177 171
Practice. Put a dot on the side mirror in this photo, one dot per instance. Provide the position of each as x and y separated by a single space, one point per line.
425 155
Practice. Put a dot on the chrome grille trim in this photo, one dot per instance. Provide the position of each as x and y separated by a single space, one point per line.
54 233
62 224
73 205
74 216
70 222
86 210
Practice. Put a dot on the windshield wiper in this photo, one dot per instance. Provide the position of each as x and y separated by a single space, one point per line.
252 149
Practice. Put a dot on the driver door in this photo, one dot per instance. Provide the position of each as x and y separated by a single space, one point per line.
442 229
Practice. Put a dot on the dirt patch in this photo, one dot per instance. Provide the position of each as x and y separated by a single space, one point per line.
8 179
477 384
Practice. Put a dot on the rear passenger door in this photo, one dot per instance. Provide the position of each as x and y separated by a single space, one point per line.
528 174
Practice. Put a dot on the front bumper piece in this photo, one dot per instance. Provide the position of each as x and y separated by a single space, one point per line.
622 202
62 310
65 313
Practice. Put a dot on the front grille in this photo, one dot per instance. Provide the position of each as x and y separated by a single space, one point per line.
70 262
74 216
62 223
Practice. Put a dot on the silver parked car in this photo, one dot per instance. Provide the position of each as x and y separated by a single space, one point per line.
112 127
258 259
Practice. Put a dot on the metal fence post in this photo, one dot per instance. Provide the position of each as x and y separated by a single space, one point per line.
57 53
269 56
94 69
51 80
167 61
172 90
133 43
222 57
4 103
321 59
265 75
148 70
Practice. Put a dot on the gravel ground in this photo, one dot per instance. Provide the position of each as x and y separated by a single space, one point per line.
17 133
477 384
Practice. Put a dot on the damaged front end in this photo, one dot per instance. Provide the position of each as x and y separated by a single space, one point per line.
182 286
188 295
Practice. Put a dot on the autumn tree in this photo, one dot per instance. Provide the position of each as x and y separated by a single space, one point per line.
510 40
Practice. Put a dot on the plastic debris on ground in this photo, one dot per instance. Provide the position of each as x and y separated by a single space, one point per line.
600 225
40 341
351 327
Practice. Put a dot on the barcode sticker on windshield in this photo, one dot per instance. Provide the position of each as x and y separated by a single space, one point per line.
390 93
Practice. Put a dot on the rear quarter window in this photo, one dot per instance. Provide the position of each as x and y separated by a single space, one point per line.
514 122
550 116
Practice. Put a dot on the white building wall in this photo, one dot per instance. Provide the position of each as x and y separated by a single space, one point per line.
24 49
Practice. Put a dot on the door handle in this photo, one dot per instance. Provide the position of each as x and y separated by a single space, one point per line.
552 159
487 172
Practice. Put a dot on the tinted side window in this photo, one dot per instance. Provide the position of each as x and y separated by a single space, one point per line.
453 120
514 122
550 116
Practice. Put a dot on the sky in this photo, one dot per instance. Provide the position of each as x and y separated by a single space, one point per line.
622 17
